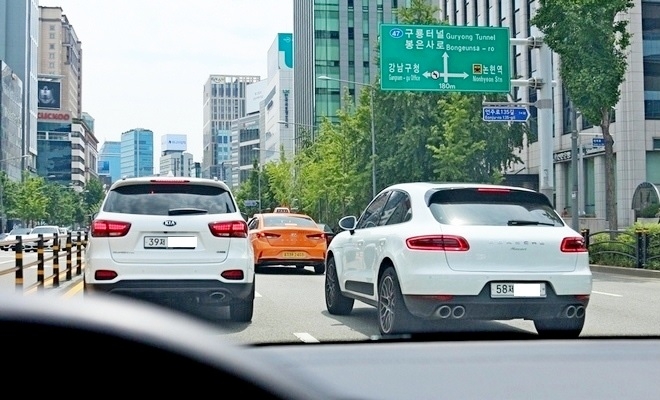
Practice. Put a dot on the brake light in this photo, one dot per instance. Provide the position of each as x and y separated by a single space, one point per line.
319 236
229 229
493 190
105 228
267 235
575 244
170 181
104 275
438 242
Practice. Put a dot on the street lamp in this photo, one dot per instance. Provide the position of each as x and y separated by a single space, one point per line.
257 149
373 130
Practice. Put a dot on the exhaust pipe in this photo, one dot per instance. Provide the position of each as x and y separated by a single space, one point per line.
579 312
458 312
443 312
217 296
570 311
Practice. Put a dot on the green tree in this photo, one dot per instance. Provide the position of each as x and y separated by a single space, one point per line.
31 202
592 42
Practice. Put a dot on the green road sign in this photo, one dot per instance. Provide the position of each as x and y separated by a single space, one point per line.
444 58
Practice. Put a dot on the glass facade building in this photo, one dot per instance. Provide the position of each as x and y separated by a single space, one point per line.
336 39
11 111
109 165
137 153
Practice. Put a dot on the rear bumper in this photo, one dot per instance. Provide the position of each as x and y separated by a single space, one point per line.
294 262
209 292
483 307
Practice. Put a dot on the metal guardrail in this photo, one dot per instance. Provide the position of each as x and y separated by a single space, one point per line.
73 248
637 249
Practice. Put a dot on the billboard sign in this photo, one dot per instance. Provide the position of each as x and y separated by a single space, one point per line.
50 95
54 116
173 143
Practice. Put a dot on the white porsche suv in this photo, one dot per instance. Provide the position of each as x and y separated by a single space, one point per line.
176 241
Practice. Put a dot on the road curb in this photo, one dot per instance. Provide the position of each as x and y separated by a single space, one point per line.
644 273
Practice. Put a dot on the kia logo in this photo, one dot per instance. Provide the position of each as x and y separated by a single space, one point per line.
169 222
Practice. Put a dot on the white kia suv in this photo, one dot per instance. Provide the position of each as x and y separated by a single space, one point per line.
177 241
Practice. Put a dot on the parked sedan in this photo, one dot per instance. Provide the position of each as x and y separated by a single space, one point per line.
22 232
287 239
434 252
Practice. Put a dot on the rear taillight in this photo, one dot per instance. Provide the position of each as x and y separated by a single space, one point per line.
575 244
229 229
105 228
317 236
174 181
267 235
438 242
494 190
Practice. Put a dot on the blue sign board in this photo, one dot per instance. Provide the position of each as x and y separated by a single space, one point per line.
251 203
598 142
505 114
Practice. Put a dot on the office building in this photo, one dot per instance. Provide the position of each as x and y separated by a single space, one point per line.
636 123
174 160
137 153
11 111
19 44
109 165
223 102
335 39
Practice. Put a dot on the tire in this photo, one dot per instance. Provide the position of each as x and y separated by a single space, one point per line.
335 302
393 316
242 310
559 328
319 269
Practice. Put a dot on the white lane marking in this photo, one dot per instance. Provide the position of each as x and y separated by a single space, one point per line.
607 294
306 337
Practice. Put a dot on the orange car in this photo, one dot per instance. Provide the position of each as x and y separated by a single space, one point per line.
287 239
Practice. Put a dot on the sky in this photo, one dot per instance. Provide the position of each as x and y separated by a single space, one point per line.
145 62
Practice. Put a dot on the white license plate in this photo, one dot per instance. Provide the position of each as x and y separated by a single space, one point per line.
170 242
510 289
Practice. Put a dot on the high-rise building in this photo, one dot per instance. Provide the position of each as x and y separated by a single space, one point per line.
223 102
109 166
61 124
11 107
137 153
334 39
174 160
60 60
635 125
19 43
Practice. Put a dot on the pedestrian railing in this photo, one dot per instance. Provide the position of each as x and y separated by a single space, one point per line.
71 252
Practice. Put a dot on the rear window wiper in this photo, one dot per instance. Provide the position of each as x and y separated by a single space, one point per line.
186 211
520 222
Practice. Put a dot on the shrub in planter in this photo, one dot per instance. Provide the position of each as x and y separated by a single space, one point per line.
650 211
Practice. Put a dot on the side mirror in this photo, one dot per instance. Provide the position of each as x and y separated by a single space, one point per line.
348 223
245 216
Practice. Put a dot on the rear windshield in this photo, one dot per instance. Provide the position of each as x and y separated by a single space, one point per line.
45 229
169 199
288 220
492 208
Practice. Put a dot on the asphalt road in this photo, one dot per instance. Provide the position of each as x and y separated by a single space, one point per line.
290 307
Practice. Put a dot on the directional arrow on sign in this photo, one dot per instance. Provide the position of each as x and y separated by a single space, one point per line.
505 114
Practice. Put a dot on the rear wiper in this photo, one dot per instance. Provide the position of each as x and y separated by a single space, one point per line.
518 222
186 211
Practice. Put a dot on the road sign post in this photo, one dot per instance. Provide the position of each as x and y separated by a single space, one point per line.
445 58
505 114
